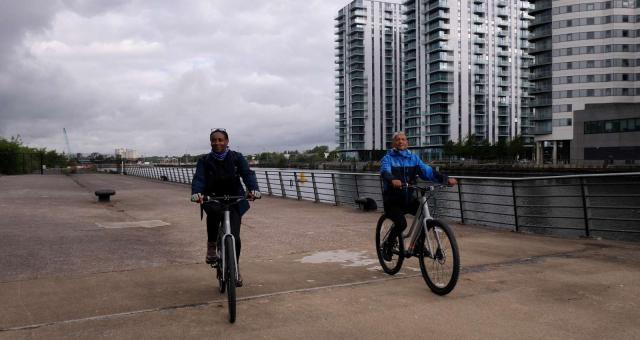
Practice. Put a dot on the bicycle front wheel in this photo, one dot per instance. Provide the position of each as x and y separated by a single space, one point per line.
439 258
231 278
390 252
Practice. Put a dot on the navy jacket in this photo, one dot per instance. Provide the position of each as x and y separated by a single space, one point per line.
215 177
405 166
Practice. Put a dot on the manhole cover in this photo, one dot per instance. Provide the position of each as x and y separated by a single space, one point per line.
136 224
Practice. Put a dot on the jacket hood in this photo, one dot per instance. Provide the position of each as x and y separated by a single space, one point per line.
404 153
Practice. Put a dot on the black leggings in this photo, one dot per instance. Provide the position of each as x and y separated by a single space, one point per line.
396 212
214 225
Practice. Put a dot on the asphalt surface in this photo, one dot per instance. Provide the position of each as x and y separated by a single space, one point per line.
73 268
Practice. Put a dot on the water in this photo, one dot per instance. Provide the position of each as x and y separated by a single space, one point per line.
548 206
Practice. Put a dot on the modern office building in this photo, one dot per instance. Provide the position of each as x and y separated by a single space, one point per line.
368 38
585 52
465 72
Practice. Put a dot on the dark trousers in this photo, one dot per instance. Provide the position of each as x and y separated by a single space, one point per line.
214 226
395 211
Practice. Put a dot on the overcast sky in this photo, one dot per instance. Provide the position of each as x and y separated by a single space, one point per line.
156 76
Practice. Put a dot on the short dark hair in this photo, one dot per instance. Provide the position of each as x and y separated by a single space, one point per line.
222 131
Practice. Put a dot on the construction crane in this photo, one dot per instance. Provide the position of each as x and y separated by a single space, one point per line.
66 139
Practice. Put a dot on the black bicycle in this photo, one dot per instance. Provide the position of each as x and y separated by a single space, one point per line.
227 265
431 240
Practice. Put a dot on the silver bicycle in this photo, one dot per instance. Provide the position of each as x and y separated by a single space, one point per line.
227 265
430 240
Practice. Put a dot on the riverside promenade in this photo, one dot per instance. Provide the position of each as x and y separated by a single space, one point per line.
73 268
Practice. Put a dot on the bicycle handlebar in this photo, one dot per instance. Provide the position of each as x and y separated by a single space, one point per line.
427 188
228 198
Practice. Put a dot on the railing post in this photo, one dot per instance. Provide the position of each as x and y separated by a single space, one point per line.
284 194
585 208
515 204
355 179
335 189
266 174
315 188
295 179
460 200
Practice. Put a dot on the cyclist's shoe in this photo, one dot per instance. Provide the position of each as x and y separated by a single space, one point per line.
212 257
239 283
387 251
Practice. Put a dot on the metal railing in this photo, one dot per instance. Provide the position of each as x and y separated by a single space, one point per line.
600 205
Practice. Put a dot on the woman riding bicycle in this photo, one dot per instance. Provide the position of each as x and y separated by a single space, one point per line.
217 174
398 168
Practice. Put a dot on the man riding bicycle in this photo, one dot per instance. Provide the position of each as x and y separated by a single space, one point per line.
398 168
217 174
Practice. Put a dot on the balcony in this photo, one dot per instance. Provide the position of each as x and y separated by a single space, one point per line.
439 15
439 35
437 25
438 4
441 89
479 61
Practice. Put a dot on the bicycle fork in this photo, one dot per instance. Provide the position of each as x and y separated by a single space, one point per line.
223 255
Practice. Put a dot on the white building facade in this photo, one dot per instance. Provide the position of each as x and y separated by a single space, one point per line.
465 72
368 38
586 52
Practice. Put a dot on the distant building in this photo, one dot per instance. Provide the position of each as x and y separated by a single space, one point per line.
466 69
585 52
607 134
127 153
368 39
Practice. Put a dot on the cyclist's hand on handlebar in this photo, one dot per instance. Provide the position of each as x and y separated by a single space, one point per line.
254 195
197 198
452 181
396 183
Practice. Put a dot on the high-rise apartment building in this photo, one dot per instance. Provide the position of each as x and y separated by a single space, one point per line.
586 52
368 39
465 72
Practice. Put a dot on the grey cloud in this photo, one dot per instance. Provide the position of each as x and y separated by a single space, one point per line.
157 79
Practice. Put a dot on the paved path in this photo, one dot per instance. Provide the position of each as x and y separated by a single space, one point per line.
67 272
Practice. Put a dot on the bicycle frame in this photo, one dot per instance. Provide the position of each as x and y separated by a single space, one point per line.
227 234
420 224
223 238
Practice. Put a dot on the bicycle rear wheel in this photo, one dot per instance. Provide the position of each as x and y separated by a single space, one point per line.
392 249
231 278
441 267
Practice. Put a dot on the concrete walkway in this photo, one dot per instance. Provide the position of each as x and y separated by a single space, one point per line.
71 267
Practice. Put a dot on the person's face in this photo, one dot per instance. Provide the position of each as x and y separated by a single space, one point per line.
400 142
219 142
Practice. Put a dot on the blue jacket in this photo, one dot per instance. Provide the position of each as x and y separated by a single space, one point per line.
214 177
405 166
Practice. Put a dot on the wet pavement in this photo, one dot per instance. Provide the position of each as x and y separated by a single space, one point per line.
71 267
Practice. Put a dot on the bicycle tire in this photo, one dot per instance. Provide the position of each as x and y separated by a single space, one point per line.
231 278
440 281
221 283
384 227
